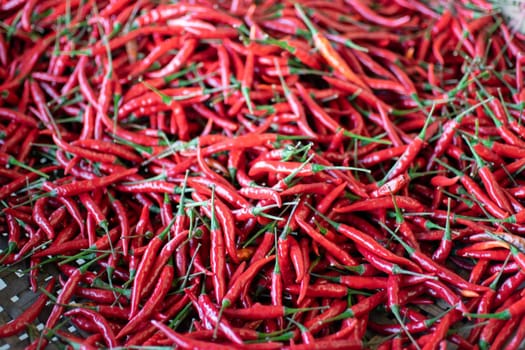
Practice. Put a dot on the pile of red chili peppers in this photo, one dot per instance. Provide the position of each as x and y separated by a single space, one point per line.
309 174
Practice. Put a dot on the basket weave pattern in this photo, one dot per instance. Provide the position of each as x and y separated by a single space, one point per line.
16 297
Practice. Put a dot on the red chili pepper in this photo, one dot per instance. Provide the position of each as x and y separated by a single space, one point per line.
445 246
244 141
153 186
3 51
490 331
443 181
353 185
213 316
109 147
94 212
441 330
506 332
17 117
514 310
287 168
85 88
501 124
17 325
412 327
392 186
144 268
295 106
401 202
75 188
296 257
246 277
14 236
305 282
187 49
63 298
362 307
263 247
330 197
382 155
329 53
165 46
261 193
493 189
473 188
163 258
161 289
218 120
40 218
410 153
187 342
141 336
441 290
63 248
37 237
99 321
99 295
326 290
224 190
122 217
330 247
217 253
276 292
378 263
508 287
367 242
516 338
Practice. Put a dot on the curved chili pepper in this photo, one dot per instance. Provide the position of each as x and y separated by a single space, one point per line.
187 49
99 321
161 289
109 147
144 268
17 325
410 153
217 253
328 52
63 298
392 186
120 210
17 117
89 185
212 314
330 247
41 218
185 341
261 193
234 291
402 202
517 337
382 155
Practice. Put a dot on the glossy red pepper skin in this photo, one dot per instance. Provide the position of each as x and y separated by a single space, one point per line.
330 247
185 341
99 321
89 185
145 267
161 289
